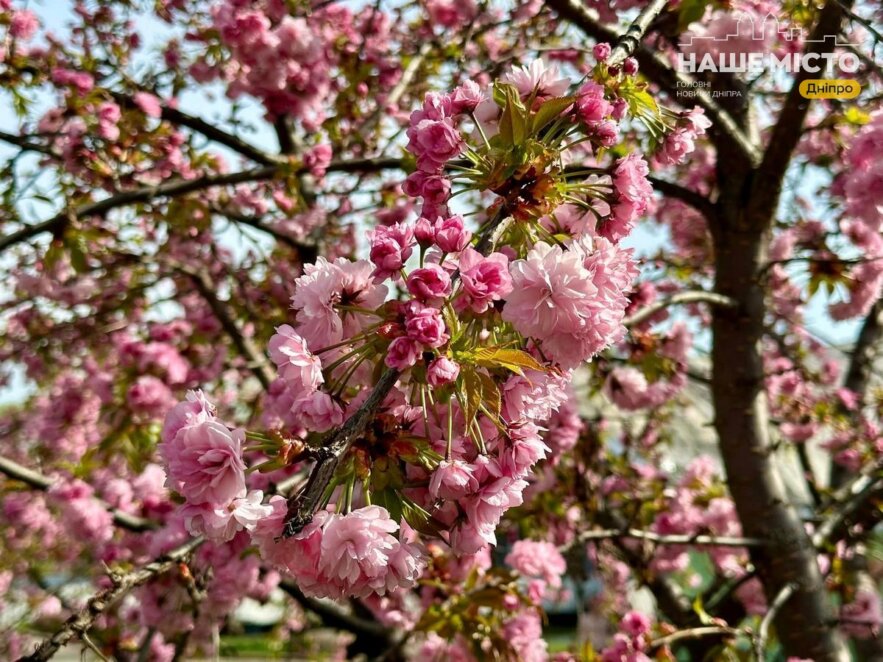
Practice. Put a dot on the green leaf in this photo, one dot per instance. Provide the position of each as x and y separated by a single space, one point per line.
511 359
391 500
471 392
549 111
53 254
419 519
490 395
514 119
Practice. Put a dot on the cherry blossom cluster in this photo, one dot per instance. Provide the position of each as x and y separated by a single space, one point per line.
482 329
289 62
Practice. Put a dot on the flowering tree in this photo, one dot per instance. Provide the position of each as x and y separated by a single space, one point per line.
395 311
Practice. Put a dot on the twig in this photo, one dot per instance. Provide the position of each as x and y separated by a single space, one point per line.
789 125
80 623
26 143
763 632
178 188
39 481
207 129
658 69
632 37
696 200
672 539
698 296
850 498
87 640
306 252
257 362
304 504
693 633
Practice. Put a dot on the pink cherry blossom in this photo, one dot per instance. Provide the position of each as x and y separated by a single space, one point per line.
485 279
452 479
402 353
538 559
430 283
204 463
442 371
301 370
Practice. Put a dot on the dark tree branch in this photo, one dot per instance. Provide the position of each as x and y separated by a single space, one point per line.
746 206
699 296
848 501
767 182
207 129
257 362
372 638
81 622
304 504
178 188
306 252
40 482
671 539
629 40
284 135
696 200
657 69
26 143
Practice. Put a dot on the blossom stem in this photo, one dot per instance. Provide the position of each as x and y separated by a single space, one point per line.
349 495
450 429
480 130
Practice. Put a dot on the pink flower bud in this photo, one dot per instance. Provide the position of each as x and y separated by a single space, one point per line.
442 371
450 235
402 353
426 326
601 51
452 480
430 283
630 66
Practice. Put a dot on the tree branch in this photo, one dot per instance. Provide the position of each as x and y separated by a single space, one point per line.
694 633
767 183
306 252
698 296
696 200
763 632
80 623
25 143
178 188
207 129
40 482
630 39
657 68
332 615
848 500
672 539
257 362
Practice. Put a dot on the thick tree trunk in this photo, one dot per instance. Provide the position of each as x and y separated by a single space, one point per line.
741 419
858 379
